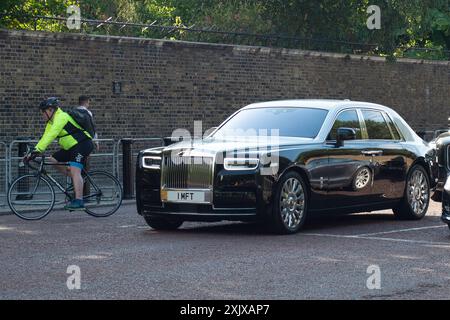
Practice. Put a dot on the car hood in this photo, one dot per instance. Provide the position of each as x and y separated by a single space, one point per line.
211 145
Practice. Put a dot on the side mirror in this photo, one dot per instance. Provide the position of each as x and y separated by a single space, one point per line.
209 131
171 140
344 134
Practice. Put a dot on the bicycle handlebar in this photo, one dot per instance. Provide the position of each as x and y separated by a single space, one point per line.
27 162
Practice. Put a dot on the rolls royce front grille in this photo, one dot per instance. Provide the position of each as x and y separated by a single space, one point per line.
187 172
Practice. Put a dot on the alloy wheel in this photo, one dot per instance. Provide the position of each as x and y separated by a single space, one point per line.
292 203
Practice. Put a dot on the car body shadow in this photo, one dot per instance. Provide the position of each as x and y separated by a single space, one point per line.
313 224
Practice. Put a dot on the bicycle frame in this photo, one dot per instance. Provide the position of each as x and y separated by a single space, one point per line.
41 172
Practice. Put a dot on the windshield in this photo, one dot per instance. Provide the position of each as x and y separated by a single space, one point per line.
290 122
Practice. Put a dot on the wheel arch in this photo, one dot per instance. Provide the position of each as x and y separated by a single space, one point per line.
302 172
425 165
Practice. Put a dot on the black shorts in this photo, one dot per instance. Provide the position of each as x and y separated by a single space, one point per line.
76 156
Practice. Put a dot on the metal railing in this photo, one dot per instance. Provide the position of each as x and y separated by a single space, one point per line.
211 34
207 34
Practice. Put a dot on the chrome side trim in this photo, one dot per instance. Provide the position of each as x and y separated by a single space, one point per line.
230 209
211 215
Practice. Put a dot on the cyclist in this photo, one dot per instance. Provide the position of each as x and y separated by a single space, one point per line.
75 142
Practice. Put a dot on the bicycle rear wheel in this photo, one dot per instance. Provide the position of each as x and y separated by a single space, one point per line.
31 197
102 194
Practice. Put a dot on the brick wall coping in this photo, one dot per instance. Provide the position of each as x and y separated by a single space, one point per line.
210 46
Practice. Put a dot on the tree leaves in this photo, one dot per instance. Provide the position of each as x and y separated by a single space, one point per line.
319 25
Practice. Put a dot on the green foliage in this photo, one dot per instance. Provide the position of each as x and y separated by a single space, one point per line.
406 24
240 17
17 14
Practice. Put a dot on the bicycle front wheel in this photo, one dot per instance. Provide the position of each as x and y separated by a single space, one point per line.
102 194
31 197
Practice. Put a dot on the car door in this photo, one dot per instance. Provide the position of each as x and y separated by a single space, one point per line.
384 147
350 170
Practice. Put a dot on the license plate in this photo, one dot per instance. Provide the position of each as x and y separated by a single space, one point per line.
183 196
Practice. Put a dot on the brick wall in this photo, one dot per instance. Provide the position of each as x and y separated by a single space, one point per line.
168 85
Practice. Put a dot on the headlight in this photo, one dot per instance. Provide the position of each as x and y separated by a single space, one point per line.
151 162
240 163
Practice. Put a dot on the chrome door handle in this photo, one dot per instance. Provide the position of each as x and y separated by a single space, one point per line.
372 152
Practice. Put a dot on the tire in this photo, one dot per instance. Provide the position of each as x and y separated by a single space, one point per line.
290 204
416 199
448 226
31 197
163 224
105 194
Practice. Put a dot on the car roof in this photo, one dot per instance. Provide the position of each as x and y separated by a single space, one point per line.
326 104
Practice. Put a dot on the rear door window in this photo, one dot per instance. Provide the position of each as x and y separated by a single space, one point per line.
376 125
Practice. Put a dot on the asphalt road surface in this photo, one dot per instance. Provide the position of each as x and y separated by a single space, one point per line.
120 257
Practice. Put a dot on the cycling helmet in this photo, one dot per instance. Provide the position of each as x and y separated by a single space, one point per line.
49 103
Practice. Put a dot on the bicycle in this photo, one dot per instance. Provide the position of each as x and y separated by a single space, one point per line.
32 196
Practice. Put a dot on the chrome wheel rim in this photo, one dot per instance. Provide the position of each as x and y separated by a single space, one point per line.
292 203
418 193
362 178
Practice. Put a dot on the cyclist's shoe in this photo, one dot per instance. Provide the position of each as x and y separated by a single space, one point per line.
75 205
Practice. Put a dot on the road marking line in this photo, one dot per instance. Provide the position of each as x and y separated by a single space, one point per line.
407 241
328 235
377 238
399 230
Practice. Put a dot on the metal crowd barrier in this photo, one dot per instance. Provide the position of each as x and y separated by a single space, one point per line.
107 158
16 150
126 159
99 160
3 172
104 159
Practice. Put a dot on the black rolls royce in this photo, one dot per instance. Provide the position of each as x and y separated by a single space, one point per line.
281 161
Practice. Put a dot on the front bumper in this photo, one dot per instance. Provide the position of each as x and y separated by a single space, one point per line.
199 212
235 197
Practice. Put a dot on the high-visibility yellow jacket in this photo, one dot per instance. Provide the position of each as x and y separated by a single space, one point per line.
63 127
